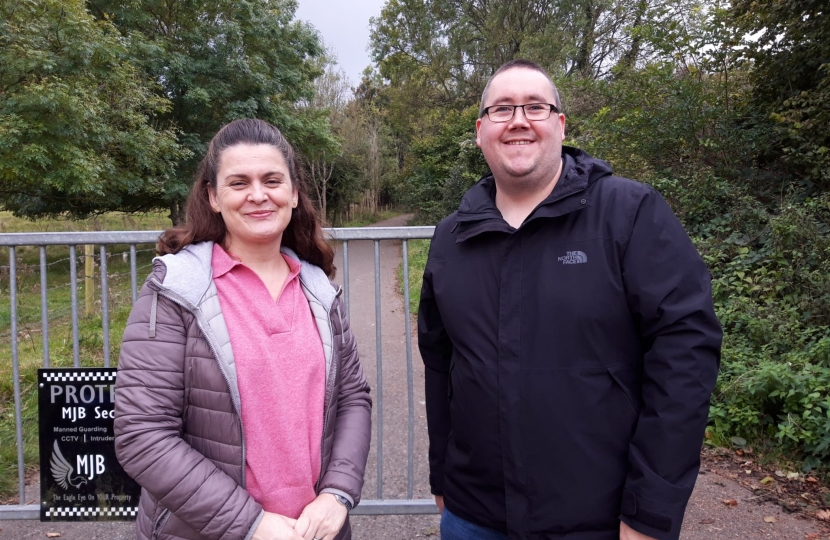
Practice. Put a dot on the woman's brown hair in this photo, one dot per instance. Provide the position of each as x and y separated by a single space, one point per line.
304 234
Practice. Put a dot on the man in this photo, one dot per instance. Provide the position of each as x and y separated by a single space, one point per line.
569 338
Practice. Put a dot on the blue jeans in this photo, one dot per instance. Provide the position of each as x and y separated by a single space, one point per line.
455 528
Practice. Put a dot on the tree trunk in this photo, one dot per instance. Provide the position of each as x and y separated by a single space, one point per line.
586 46
177 215
629 59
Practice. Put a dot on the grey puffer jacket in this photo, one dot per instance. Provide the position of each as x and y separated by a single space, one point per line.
178 429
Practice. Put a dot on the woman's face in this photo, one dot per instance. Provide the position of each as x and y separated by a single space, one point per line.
254 193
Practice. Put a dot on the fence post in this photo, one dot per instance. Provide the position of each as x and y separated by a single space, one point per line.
89 284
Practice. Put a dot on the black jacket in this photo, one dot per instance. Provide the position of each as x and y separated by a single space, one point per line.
569 363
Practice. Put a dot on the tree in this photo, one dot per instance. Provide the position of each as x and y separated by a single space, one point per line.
676 111
368 148
444 167
79 126
331 95
455 45
437 55
788 45
218 60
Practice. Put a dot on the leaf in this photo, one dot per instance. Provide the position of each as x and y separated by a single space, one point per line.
53 535
730 502
769 519
823 515
780 474
738 441
792 475
767 480
707 521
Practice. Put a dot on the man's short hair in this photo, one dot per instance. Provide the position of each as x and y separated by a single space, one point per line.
524 64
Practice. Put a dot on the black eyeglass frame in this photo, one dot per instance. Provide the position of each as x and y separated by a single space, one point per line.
486 111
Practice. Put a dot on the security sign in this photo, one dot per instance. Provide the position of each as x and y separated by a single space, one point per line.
80 477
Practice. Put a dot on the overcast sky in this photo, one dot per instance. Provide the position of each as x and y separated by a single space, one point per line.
344 26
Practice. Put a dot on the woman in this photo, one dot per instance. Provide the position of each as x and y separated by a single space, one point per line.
242 409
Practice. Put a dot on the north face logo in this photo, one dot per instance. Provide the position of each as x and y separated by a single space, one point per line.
573 257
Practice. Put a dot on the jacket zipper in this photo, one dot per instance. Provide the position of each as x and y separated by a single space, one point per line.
332 377
161 521
163 292
340 318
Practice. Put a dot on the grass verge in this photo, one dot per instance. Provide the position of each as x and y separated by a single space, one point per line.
418 251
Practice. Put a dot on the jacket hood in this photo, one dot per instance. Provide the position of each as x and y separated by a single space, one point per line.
579 170
189 274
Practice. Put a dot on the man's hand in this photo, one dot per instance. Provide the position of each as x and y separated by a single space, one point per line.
627 533
322 518
439 502
275 527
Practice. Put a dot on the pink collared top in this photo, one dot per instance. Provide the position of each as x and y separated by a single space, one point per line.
281 372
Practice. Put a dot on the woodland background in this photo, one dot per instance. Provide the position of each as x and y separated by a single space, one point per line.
723 107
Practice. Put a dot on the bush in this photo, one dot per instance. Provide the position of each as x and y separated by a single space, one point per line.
764 235
446 166
772 294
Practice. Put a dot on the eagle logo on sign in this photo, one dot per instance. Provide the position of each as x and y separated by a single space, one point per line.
62 471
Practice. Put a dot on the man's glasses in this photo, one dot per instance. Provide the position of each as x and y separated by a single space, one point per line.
533 111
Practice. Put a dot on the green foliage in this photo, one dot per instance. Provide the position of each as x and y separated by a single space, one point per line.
219 60
113 113
438 54
366 173
418 251
771 288
8 439
790 56
114 221
78 128
662 120
444 167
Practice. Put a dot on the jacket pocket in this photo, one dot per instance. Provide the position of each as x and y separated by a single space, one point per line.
628 378
160 523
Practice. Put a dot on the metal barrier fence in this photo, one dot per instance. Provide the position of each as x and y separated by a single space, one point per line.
14 241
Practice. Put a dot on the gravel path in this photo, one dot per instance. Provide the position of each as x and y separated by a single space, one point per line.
707 517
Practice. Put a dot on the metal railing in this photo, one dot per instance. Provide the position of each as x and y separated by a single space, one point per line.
378 506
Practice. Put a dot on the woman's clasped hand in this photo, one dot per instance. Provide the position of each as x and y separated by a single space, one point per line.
276 527
321 519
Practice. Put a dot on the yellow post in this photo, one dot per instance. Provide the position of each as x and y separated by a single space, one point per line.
89 283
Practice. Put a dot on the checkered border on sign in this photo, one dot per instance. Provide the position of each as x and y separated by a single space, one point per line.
92 512
82 377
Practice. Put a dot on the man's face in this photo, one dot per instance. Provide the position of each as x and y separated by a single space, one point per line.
519 150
